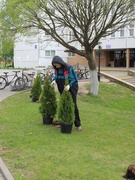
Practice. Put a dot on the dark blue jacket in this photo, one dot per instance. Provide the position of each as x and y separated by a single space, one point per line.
66 71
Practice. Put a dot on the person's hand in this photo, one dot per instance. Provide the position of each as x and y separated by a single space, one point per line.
53 83
67 88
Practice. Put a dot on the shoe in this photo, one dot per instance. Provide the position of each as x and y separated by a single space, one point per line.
56 122
79 128
58 126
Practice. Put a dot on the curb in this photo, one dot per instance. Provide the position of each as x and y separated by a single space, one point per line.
4 171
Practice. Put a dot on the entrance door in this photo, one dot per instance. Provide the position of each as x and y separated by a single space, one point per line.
132 57
120 58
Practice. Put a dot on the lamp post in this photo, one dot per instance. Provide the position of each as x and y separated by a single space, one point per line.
99 57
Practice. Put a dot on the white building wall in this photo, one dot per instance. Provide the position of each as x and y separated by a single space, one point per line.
26 53
118 42
30 52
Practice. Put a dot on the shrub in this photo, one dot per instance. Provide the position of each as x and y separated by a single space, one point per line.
36 88
66 108
48 100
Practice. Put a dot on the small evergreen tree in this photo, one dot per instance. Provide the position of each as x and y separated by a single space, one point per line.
48 100
66 107
36 88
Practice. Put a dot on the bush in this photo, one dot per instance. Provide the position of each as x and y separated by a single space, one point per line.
66 108
36 88
48 100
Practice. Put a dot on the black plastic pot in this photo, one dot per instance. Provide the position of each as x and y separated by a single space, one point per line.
66 128
47 120
33 99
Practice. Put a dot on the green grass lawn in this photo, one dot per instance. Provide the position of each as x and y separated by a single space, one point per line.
101 151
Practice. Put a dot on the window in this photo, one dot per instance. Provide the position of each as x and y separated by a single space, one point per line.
70 54
122 32
71 36
132 8
51 10
47 35
131 30
113 35
112 10
49 53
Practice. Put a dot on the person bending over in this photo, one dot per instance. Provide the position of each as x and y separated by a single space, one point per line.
65 71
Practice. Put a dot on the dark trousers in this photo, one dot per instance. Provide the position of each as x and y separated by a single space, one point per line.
73 90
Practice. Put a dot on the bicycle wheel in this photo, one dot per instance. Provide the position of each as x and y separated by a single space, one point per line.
87 74
3 82
25 78
51 77
42 75
19 84
79 75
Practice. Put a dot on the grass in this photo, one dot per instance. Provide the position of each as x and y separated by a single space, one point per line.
101 151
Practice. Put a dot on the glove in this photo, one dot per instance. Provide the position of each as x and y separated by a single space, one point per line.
53 83
67 88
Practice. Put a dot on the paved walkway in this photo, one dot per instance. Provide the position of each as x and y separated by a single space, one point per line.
6 93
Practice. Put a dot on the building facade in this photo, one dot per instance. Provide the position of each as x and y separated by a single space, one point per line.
118 50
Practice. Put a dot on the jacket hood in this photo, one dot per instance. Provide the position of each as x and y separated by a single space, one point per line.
58 60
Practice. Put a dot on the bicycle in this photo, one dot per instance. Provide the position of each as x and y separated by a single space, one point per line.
83 73
43 75
28 78
16 83
50 74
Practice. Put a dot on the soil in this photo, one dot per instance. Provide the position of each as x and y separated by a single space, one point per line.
82 87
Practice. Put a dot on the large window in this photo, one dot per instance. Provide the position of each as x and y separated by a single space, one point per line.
113 34
71 36
112 10
131 30
50 53
122 32
70 54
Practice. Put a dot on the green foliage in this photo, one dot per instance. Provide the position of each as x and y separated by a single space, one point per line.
48 100
66 108
36 88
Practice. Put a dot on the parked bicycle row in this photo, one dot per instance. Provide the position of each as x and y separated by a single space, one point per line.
20 80
82 73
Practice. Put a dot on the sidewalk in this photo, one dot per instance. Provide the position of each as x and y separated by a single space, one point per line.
6 93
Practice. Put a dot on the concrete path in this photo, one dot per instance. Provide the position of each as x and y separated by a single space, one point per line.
6 93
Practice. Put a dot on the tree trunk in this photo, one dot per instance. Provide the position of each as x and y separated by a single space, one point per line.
94 84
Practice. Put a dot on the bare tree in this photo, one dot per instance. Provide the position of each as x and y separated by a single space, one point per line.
87 20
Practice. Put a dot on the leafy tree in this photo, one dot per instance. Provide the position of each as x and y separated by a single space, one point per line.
87 20
6 39
7 48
